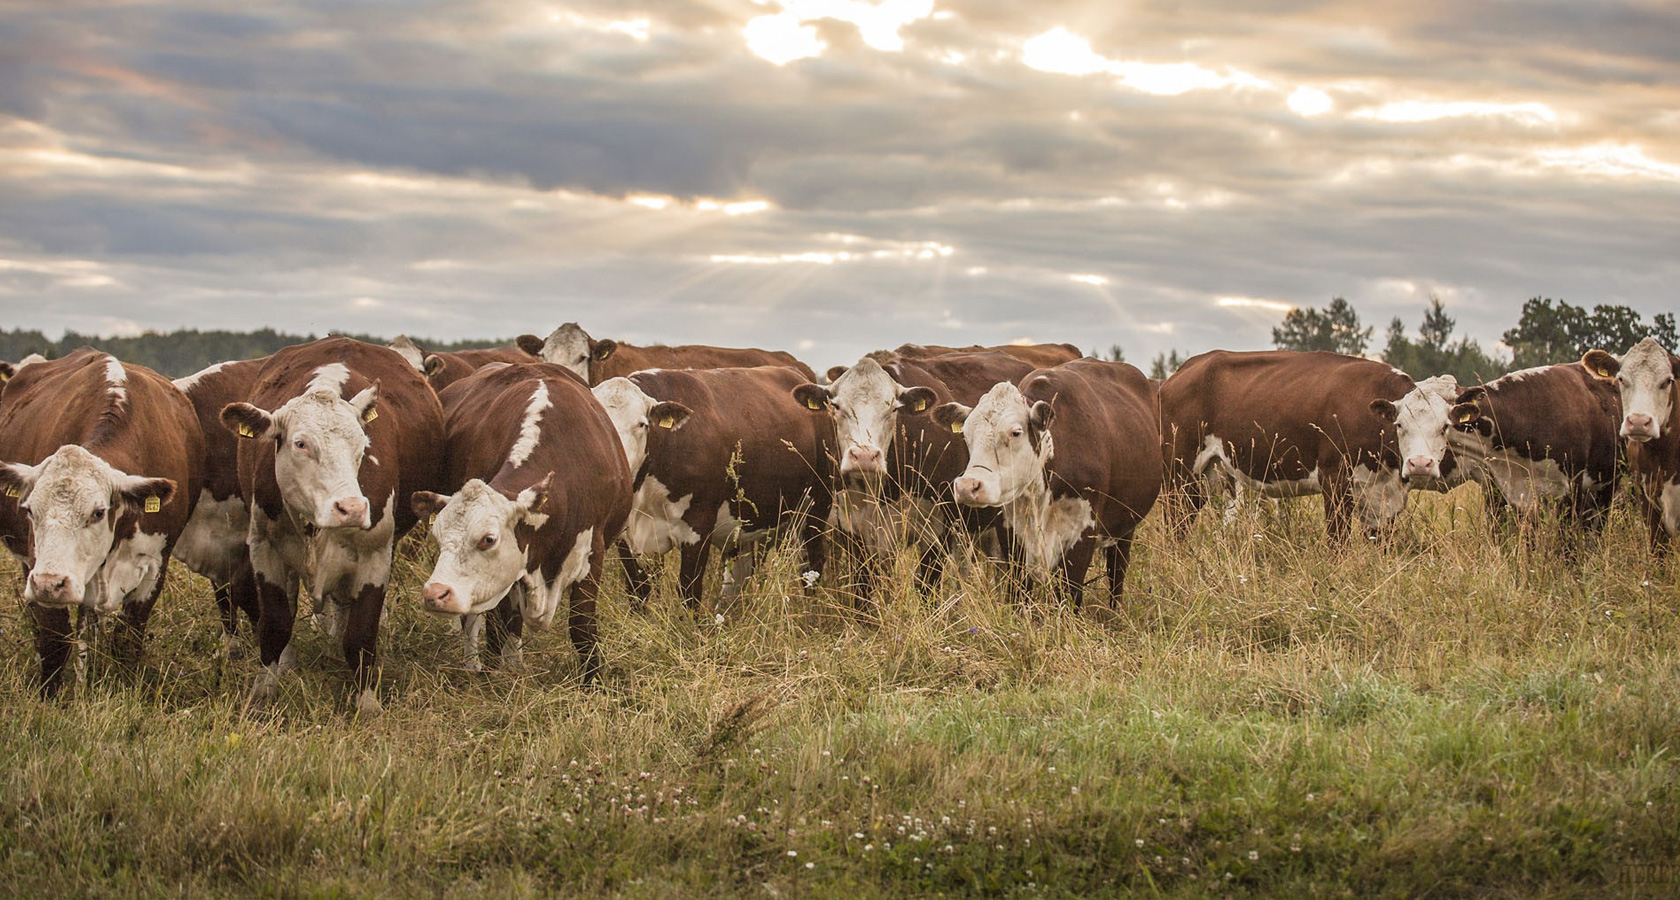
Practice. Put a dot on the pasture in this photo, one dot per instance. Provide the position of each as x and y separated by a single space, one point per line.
1448 714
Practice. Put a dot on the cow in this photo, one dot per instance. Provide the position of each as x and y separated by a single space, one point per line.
103 463
895 466
544 489
1644 379
1041 355
719 457
1286 424
1544 436
599 360
443 369
1072 457
337 436
213 543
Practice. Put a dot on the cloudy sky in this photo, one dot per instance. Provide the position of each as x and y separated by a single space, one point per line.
833 176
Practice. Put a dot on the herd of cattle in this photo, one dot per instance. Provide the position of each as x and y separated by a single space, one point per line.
536 461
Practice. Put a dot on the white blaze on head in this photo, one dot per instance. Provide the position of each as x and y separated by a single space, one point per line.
1008 446
407 349
73 500
479 558
319 441
1421 420
572 347
865 403
1645 377
633 413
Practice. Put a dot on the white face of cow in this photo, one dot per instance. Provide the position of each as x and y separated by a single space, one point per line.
479 559
1645 378
865 403
1008 446
633 413
320 439
73 501
1421 420
572 347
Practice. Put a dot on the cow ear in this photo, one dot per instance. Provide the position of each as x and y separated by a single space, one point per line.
668 414
366 403
601 349
434 365
529 343
916 400
247 421
834 372
16 479
1470 394
950 415
533 499
1041 415
812 396
426 503
1602 365
1465 415
1385 410
149 494
7 370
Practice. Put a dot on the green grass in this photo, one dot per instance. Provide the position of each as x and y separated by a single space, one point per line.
1448 715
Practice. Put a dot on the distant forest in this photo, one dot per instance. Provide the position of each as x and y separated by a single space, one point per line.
184 352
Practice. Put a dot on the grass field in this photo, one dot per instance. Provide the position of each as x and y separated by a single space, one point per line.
1447 715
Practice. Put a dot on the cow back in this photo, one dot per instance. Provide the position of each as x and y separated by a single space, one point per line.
1107 434
626 359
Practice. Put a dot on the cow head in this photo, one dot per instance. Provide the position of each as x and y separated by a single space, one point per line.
319 441
1421 420
1008 445
74 502
479 558
865 403
1645 377
635 415
410 351
572 347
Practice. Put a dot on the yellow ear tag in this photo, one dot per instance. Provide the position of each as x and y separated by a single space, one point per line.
153 505
1466 417
813 404
956 427
245 431
13 490
371 414
667 421
1605 374
920 406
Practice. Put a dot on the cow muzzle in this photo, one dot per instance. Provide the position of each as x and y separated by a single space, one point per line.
1640 427
1420 467
52 589
972 491
348 512
862 465
441 598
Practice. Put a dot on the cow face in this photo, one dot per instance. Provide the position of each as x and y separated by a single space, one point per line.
634 415
1645 377
319 441
1008 445
572 347
76 504
865 403
1421 421
479 557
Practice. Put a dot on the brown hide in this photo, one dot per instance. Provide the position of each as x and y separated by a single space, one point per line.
1281 414
452 367
1034 354
925 457
153 433
627 358
209 391
742 421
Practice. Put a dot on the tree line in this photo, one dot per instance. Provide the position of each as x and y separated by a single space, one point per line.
1547 332
183 352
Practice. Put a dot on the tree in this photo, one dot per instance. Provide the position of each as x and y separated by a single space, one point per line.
1435 352
1165 364
1335 328
1115 354
1553 331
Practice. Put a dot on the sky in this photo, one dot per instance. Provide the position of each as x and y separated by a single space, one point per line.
831 177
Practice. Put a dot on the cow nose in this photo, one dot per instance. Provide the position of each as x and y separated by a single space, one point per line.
46 586
966 488
1420 465
860 457
437 596
350 511
1637 423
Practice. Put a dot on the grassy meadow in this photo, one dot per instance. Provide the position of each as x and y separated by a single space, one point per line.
1448 714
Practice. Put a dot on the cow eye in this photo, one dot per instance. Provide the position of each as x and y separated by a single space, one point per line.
300 445
1015 432
486 542
97 515
1668 383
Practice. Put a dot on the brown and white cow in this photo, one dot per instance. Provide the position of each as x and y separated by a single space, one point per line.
1072 457
338 435
1040 355
1650 421
599 360
213 543
720 457
1541 437
896 466
545 489
444 368
1286 424
103 462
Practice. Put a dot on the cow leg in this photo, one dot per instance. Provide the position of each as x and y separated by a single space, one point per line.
52 645
636 577
275 585
741 562
1119 556
1338 502
581 622
361 639
505 630
1075 563
815 543
472 626
130 637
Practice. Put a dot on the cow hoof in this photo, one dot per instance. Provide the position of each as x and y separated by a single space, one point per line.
233 647
264 690
367 704
288 660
